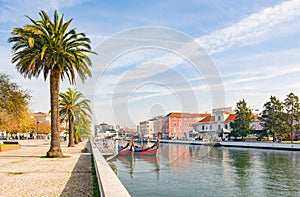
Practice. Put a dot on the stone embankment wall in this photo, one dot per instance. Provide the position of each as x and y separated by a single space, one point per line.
263 145
109 183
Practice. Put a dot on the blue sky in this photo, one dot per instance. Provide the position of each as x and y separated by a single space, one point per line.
253 45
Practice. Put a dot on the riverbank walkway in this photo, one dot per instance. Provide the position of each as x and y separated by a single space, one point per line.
24 172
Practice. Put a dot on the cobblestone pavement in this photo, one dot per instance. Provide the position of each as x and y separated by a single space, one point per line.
24 172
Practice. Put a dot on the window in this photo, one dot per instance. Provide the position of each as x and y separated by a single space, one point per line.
174 118
219 118
174 124
219 127
203 127
226 127
210 127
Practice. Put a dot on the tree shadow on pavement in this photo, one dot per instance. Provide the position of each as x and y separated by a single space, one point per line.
81 180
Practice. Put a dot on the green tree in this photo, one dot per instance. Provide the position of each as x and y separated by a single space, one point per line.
82 128
72 106
274 119
14 105
241 125
292 108
48 47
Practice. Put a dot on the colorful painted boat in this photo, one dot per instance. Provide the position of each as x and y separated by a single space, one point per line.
138 150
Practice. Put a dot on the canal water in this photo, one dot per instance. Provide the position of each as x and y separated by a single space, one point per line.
193 170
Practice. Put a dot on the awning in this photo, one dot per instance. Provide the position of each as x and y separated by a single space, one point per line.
225 130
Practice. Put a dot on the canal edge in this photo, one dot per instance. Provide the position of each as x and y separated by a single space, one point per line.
108 182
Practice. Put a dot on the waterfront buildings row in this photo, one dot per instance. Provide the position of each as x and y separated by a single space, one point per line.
178 125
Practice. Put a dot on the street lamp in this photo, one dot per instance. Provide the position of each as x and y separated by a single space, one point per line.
37 128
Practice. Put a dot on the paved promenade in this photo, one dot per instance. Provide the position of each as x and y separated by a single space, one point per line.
24 173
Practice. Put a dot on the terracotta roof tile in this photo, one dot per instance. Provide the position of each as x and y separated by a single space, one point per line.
255 116
207 119
231 118
186 115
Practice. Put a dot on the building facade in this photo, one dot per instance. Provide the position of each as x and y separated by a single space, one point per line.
178 125
219 122
158 124
41 117
104 130
147 128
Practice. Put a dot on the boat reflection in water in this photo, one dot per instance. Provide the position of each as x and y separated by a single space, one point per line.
136 158
167 157
139 163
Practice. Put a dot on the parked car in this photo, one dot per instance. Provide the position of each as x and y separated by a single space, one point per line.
289 138
2 137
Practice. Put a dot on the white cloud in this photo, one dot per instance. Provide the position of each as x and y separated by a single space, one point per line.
250 28
5 55
4 31
256 26
58 4
262 75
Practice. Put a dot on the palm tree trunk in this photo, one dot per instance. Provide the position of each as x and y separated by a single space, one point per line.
55 150
76 139
273 134
71 133
292 130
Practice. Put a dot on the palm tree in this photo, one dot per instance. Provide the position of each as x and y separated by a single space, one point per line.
82 128
72 106
50 48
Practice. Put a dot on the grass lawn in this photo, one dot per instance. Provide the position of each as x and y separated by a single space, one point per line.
294 142
8 147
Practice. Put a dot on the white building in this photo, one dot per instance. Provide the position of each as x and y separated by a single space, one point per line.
41 117
158 124
104 130
220 121
147 128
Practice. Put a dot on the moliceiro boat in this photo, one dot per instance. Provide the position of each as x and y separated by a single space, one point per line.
131 148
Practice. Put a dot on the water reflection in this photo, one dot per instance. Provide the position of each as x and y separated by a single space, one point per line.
190 170
177 156
138 163
281 172
242 165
